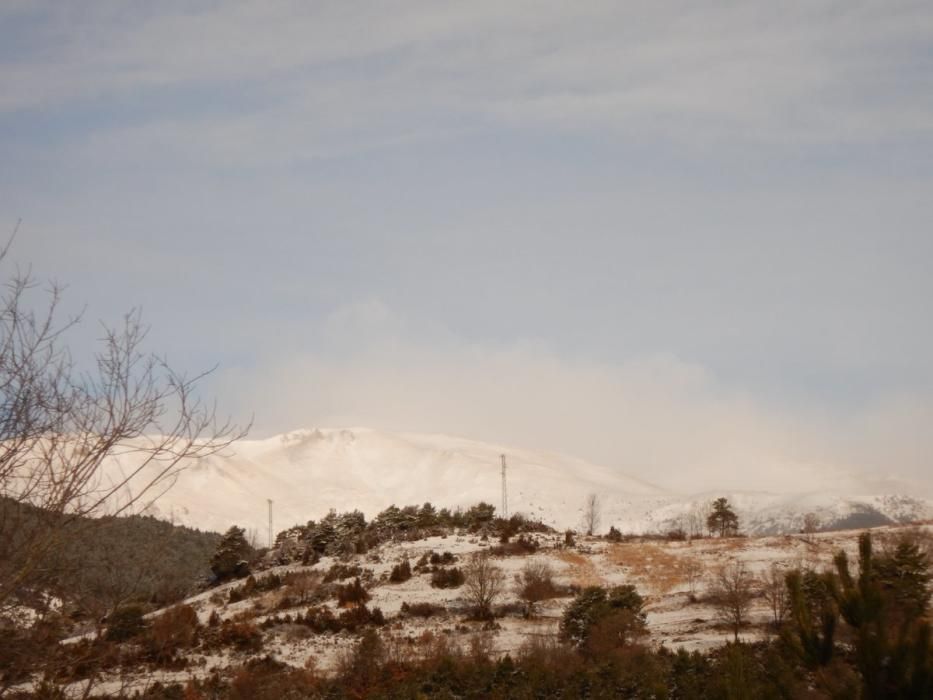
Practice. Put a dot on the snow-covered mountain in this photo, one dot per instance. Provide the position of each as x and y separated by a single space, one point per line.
307 472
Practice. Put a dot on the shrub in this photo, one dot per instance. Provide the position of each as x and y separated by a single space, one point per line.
174 629
520 547
125 623
243 636
442 559
351 593
339 572
447 578
400 572
300 586
536 584
360 616
421 609
618 611
614 535
267 679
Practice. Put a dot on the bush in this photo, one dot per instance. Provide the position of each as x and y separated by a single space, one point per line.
430 561
616 613
125 623
243 636
360 616
400 572
266 679
520 547
447 578
421 609
174 629
614 535
351 593
537 584
442 559
339 572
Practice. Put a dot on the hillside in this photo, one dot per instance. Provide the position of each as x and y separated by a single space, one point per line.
292 616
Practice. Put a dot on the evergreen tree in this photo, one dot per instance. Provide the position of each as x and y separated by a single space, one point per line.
884 606
814 616
595 605
723 519
427 516
232 555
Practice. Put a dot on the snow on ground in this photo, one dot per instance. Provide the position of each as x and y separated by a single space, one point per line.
660 570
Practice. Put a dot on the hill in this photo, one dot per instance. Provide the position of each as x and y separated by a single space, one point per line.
306 473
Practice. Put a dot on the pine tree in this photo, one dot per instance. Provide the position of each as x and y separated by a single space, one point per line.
884 606
594 605
814 616
427 516
232 555
723 519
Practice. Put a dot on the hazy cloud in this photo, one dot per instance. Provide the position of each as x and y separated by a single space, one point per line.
659 417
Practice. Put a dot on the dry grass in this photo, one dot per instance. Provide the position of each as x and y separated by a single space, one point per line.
651 565
582 572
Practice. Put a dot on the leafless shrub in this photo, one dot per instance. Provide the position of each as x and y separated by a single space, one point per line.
693 573
536 583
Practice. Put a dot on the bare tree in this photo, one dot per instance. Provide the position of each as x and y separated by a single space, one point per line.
811 524
732 595
696 519
774 591
484 582
78 442
693 572
592 514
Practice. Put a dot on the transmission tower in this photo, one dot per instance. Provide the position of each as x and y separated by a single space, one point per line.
505 491
269 500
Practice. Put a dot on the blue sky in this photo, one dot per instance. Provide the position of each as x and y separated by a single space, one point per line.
682 239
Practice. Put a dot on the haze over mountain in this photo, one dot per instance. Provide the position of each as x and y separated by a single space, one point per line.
308 472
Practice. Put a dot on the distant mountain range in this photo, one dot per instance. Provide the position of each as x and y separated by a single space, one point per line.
308 472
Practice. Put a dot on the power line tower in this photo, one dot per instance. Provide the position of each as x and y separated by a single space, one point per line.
269 500
505 491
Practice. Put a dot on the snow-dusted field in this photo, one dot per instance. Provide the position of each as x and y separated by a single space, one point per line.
674 578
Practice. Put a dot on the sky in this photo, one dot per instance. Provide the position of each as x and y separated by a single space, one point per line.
690 241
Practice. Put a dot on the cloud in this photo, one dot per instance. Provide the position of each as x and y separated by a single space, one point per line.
658 417
306 81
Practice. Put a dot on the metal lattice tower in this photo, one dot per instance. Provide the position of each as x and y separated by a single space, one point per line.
505 491
270 522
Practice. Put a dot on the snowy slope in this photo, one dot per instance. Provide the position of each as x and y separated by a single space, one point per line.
308 472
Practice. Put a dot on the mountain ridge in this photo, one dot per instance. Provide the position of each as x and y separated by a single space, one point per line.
308 472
